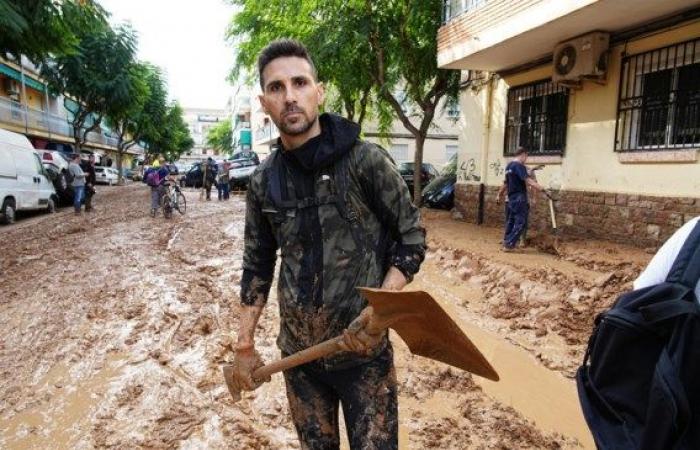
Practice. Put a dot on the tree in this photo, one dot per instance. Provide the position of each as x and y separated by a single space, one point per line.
220 137
36 28
340 58
144 115
173 138
98 78
389 46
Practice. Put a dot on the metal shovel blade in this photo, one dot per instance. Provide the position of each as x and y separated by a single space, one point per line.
427 329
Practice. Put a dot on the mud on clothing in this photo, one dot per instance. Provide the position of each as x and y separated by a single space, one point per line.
327 254
367 393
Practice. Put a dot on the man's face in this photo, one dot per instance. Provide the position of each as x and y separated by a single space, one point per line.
92 159
291 96
523 157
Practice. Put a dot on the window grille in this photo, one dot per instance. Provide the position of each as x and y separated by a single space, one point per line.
659 100
454 8
536 118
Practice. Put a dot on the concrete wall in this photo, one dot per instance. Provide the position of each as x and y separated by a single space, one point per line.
589 164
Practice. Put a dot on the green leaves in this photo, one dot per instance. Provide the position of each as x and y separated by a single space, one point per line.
220 137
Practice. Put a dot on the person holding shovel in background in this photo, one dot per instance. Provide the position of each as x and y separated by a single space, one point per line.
342 217
518 179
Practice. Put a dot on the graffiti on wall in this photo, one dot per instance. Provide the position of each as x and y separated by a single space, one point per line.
468 170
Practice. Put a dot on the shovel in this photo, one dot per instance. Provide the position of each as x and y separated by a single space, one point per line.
420 321
553 217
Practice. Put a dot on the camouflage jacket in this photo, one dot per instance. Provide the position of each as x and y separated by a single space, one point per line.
375 226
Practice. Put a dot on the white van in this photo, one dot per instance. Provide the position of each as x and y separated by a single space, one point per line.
23 184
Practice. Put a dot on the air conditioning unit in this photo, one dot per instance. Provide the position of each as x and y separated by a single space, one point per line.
581 58
12 87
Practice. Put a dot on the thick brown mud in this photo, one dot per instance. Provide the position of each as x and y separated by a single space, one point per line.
115 325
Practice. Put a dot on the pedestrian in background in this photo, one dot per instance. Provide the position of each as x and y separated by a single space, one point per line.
209 173
90 181
78 182
155 176
222 182
518 178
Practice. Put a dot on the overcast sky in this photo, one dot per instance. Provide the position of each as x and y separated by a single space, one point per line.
186 39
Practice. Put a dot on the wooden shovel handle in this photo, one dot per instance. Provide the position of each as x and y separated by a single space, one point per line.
325 348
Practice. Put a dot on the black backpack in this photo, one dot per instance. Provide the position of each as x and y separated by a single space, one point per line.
639 384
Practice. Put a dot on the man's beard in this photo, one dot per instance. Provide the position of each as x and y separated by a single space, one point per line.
298 128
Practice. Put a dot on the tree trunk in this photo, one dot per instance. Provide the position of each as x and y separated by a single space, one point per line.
418 168
120 155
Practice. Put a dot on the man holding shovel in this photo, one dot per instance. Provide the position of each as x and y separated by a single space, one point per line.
517 180
341 216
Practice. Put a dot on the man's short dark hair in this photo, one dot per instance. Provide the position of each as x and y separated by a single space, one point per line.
279 49
520 151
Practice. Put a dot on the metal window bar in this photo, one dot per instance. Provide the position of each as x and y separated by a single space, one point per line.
659 99
454 8
536 118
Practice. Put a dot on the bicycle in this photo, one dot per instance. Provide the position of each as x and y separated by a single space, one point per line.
173 199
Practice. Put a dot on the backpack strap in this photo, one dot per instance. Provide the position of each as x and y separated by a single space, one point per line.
686 267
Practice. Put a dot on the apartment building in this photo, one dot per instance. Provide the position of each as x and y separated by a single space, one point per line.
199 121
604 93
27 107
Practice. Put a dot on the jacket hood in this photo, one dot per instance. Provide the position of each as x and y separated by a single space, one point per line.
338 136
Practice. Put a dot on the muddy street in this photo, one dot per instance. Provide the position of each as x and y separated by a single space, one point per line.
115 325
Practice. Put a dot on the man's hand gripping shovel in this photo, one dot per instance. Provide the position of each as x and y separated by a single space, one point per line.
420 321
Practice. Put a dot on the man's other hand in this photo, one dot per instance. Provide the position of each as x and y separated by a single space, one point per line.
245 362
362 335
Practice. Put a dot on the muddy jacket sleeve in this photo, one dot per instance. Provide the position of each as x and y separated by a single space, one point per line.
391 202
259 254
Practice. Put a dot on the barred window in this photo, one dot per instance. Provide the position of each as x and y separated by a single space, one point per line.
536 118
659 100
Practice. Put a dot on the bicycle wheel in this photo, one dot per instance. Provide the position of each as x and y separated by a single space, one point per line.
167 207
181 203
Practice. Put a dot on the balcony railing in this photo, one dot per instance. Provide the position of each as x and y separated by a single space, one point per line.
29 119
454 8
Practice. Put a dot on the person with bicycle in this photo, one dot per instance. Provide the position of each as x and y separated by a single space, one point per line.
155 178
173 198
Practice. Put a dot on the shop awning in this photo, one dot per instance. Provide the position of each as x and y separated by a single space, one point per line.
15 74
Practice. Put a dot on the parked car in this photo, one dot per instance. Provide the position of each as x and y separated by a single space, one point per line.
106 175
240 171
193 177
426 175
56 164
23 181
440 193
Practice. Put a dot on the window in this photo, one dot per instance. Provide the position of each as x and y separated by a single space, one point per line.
450 150
454 8
399 152
659 103
536 118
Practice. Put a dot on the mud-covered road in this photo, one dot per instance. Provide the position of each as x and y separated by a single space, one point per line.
113 327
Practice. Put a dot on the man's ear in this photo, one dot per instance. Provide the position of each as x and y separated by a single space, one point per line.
321 90
262 103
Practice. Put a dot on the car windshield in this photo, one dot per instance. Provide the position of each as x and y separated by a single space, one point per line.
99 169
243 163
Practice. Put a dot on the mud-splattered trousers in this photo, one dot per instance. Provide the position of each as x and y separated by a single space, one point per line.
367 394
518 211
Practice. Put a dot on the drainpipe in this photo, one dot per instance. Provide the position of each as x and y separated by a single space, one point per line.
486 137
24 96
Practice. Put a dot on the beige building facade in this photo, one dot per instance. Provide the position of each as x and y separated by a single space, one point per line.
618 139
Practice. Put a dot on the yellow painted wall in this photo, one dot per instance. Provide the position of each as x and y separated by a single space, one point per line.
589 161
35 99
